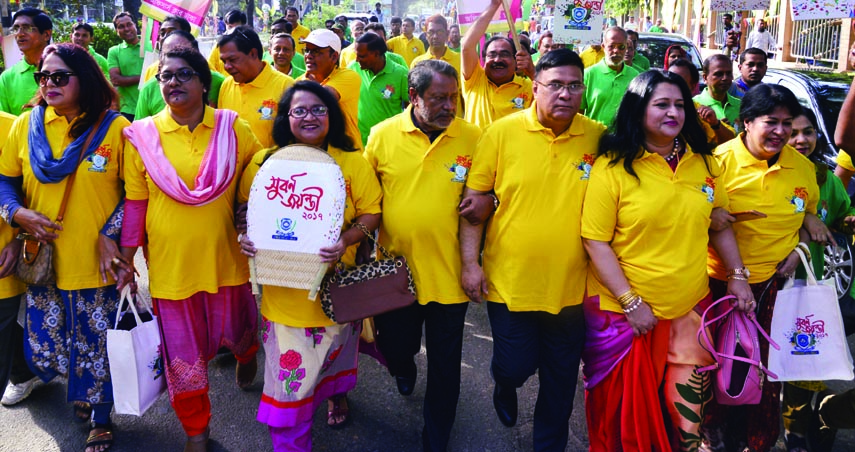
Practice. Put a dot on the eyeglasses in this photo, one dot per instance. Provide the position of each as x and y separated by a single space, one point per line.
574 88
316 111
24 29
316 51
183 76
504 54
59 78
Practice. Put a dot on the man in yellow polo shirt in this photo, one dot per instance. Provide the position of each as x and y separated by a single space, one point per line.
322 52
253 88
422 157
534 262
494 91
405 44
298 31
234 18
437 33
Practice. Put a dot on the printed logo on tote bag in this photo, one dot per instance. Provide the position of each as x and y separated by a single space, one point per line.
806 335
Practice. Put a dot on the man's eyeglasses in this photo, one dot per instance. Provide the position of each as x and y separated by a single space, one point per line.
59 78
316 111
316 51
183 76
503 54
24 29
574 88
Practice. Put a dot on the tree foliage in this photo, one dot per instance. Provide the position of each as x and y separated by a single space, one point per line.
621 7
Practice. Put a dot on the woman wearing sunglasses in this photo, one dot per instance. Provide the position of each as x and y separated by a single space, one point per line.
181 176
317 355
46 152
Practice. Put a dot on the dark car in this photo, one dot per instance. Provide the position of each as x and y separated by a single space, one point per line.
654 45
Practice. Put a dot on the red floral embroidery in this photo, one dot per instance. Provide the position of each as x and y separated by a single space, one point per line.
711 182
290 360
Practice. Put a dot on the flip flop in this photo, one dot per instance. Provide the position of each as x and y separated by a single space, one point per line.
338 412
104 438
82 411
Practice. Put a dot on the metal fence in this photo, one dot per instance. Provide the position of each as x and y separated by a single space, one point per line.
816 40
772 22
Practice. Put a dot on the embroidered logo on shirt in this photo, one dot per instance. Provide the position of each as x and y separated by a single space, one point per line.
388 91
708 188
268 108
585 165
519 102
99 159
799 199
460 168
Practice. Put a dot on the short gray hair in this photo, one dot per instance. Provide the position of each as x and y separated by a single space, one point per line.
421 76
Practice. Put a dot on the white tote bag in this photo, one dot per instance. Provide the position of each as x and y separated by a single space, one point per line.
136 367
808 326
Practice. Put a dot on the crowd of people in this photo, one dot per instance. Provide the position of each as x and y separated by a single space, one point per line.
532 181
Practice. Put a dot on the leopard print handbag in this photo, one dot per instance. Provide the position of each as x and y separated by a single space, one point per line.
369 289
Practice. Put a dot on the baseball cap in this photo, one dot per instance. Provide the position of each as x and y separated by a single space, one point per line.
324 38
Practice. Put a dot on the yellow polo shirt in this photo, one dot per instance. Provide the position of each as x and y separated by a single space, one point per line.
845 161
96 192
407 48
486 102
257 101
784 192
291 306
533 255
591 56
215 62
10 286
299 33
347 83
422 183
347 56
657 226
190 248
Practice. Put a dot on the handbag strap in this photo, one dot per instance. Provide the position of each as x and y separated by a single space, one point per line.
65 195
364 229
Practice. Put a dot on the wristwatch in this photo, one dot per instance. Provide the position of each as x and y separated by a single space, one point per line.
495 201
739 273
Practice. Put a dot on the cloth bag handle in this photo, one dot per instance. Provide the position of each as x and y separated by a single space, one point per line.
127 296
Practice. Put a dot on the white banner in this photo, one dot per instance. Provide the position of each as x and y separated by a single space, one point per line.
578 22
813 9
739 5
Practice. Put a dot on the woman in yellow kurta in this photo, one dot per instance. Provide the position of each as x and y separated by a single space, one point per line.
181 185
309 357
647 274
67 321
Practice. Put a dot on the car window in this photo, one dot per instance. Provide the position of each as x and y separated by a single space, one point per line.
654 50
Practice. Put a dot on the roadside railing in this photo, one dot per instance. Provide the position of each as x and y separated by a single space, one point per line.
816 41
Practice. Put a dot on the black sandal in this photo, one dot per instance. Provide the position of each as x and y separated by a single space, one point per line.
82 411
104 438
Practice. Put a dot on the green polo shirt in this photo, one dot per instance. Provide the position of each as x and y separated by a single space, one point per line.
298 64
640 62
151 100
102 62
397 59
129 62
381 96
605 90
729 111
17 87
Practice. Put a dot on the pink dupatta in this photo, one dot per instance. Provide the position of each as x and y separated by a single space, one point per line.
218 168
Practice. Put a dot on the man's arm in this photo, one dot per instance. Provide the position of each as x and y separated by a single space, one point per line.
468 45
472 275
117 79
844 136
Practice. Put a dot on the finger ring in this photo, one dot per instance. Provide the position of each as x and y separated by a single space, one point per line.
116 261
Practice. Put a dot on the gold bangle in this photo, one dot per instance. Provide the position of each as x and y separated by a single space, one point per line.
632 305
626 297
737 277
362 228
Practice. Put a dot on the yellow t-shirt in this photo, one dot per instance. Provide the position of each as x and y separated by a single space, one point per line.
591 56
215 62
299 33
536 225
784 192
10 286
845 161
486 102
291 306
657 226
347 83
422 183
257 101
190 248
150 71
407 48
347 56
96 192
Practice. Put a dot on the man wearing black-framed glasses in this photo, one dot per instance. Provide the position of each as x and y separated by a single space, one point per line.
32 30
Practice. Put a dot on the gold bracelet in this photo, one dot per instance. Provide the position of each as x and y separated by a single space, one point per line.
737 278
626 297
805 249
632 305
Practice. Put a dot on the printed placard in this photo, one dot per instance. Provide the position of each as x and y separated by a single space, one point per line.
739 5
192 10
578 22
468 12
827 9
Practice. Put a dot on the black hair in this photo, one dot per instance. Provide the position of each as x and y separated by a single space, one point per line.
626 133
558 58
235 16
123 14
395 19
763 99
715 57
376 27
821 145
407 19
245 39
291 8
421 75
40 18
184 34
373 43
284 22
284 35
95 94
753 51
196 61
494 39
85 27
336 136
183 24
693 70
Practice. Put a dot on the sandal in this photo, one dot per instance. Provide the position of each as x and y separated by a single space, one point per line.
82 411
339 415
245 373
198 443
795 443
104 438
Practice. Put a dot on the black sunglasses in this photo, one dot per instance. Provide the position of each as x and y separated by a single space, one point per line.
59 78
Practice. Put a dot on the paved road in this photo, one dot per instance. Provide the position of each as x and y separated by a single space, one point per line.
382 420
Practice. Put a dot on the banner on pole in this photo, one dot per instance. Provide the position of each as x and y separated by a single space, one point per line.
468 12
192 10
578 23
739 5
812 9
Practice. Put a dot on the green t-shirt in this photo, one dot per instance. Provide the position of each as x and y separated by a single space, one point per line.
604 91
656 29
640 62
729 111
17 87
298 64
395 58
381 96
102 62
151 100
129 62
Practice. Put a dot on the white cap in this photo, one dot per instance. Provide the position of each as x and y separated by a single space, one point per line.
324 38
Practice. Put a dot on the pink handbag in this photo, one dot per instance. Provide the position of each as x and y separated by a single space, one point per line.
740 372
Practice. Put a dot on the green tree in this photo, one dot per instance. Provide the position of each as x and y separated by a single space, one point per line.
621 7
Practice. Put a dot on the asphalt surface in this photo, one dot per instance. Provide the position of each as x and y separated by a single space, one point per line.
381 419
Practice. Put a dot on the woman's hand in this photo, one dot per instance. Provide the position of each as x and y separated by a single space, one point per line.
125 277
720 219
817 229
744 296
9 258
246 246
787 267
111 259
642 319
37 225
474 282
331 254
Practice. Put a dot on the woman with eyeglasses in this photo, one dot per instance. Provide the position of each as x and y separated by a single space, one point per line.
180 185
67 321
309 357
647 279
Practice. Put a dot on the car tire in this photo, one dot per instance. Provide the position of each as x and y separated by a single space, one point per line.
838 264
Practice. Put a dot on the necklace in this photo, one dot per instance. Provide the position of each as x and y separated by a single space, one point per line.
675 152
